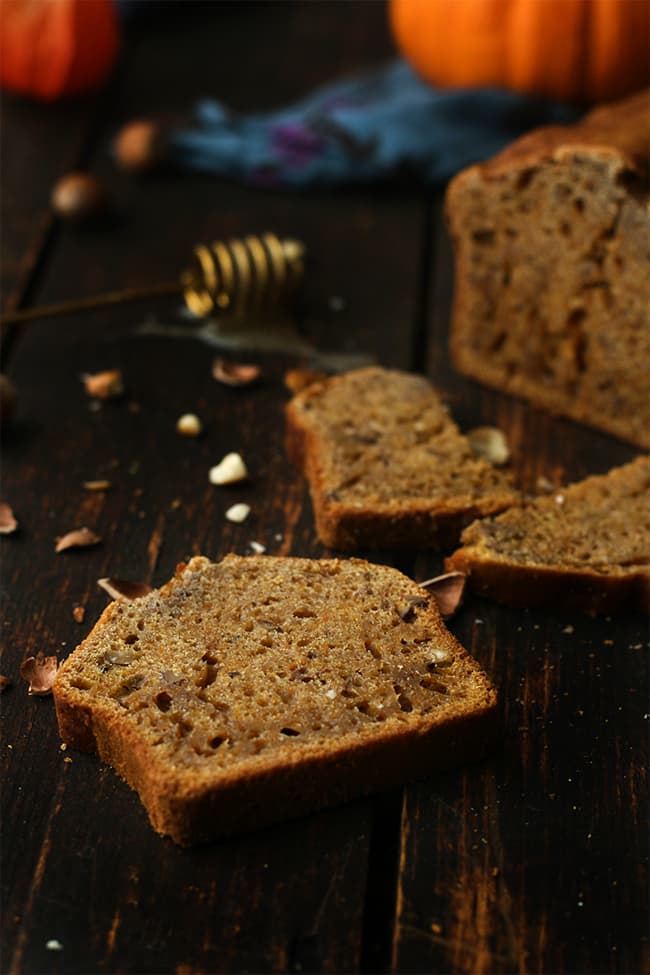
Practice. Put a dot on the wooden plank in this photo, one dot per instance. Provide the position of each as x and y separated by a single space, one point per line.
28 177
536 860
89 872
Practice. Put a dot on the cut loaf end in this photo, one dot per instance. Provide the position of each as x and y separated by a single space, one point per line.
552 296
260 688
585 547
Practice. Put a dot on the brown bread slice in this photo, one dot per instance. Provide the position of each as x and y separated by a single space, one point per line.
387 466
261 687
552 295
585 547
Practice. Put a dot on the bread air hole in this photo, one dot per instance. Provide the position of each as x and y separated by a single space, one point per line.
207 676
372 649
163 701
289 732
404 701
483 236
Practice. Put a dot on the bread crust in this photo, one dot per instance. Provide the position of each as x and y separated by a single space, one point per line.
193 806
615 140
620 131
543 587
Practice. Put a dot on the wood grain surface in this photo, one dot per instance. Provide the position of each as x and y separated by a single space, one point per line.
533 861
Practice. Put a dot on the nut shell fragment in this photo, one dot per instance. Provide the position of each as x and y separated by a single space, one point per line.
77 538
447 590
104 385
39 672
123 589
235 373
8 523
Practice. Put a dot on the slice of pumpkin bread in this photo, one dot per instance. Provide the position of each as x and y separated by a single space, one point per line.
387 466
585 547
261 687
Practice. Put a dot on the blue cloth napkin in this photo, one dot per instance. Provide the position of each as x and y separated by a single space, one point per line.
380 125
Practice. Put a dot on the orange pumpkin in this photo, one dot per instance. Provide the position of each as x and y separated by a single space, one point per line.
582 50
50 48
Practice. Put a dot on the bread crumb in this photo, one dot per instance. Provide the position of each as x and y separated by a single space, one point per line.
54 945
258 548
100 485
39 672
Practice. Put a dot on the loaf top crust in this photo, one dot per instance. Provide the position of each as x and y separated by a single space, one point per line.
260 663
619 130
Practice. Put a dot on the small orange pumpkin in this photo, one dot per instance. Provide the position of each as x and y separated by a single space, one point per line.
50 48
581 50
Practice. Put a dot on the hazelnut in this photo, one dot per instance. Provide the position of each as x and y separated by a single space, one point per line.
78 197
140 146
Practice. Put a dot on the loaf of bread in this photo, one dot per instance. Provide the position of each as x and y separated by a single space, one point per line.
386 464
261 687
585 547
552 293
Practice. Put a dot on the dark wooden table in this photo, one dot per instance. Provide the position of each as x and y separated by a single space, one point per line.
533 861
